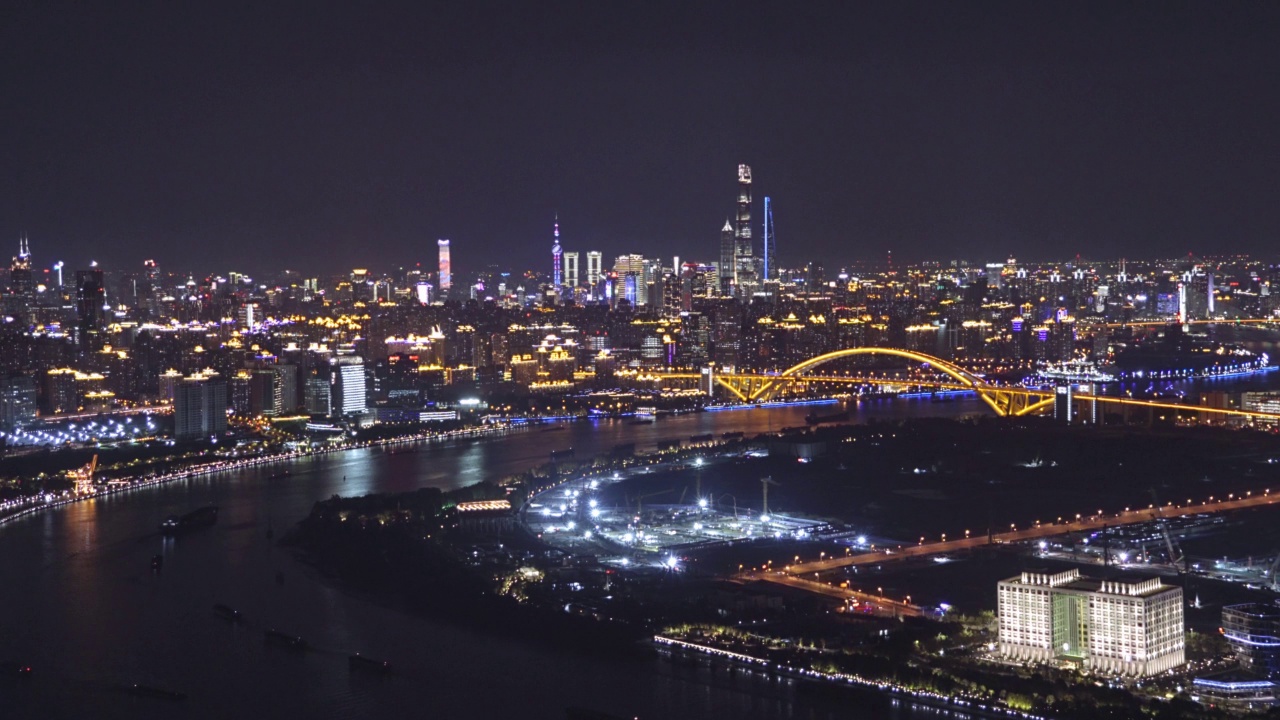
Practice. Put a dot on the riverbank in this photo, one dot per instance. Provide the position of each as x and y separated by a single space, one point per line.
17 509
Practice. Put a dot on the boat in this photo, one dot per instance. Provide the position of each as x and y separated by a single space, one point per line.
733 435
293 642
559 454
157 562
15 669
156 693
359 662
816 419
281 474
227 612
704 438
198 518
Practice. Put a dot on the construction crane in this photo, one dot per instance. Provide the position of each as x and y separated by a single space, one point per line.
83 477
765 482
1174 556
1271 572
640 500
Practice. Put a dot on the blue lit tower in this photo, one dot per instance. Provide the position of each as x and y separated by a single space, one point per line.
556 255
770 242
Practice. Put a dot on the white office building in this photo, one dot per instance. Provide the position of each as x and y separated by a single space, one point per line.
1127 626
346 379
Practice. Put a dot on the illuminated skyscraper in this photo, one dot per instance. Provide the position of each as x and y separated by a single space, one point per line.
770 244
726 258
557 269
22 287
571 269
744 268
595 265
446 268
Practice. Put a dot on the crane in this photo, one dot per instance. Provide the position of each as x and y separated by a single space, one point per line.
765 482
1271 572
640 500
84 477
1174 556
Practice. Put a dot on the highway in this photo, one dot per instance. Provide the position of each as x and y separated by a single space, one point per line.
881 605
1087 524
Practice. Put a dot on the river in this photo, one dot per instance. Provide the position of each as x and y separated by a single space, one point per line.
79 603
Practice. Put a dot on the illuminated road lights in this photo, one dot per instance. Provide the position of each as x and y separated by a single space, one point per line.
702 503
764 519
593 502
671 562
595 512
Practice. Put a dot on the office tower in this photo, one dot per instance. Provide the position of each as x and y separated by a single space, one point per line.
318 400
17 402
423 292
595 267
744 268
1063 403
199 407
770 244
22 288
446 268
726 258
1253 630
557 280
631 269
284 390
346 379
1130 626
91 297
571 269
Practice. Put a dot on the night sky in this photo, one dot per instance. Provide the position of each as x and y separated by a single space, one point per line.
221 136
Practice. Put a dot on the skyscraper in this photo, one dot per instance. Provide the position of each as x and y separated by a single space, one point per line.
571 269
744 269
91 297
199 407
595 266
770 244
557 279
726 258
22 287
347 381
446 268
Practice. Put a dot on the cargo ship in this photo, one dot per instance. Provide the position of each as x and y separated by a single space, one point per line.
201 517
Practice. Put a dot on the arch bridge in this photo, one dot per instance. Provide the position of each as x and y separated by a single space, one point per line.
1004 401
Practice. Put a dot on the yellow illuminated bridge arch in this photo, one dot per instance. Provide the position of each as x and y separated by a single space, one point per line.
1004 401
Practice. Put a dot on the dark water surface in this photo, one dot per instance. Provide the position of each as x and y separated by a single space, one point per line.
79 603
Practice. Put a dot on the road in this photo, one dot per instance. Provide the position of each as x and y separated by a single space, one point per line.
1095 522
880 605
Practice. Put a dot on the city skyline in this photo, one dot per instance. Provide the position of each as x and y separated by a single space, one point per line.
1010 129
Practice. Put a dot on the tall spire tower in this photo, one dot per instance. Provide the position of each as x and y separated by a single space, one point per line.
557 267
744 269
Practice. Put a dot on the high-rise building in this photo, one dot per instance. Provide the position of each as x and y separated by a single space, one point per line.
726 258
744 266
91 299
346 380
571 269
557 279
1253 629
199 407
318 400
769 250
595 267
1127 626
446 267
17 402
22 287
